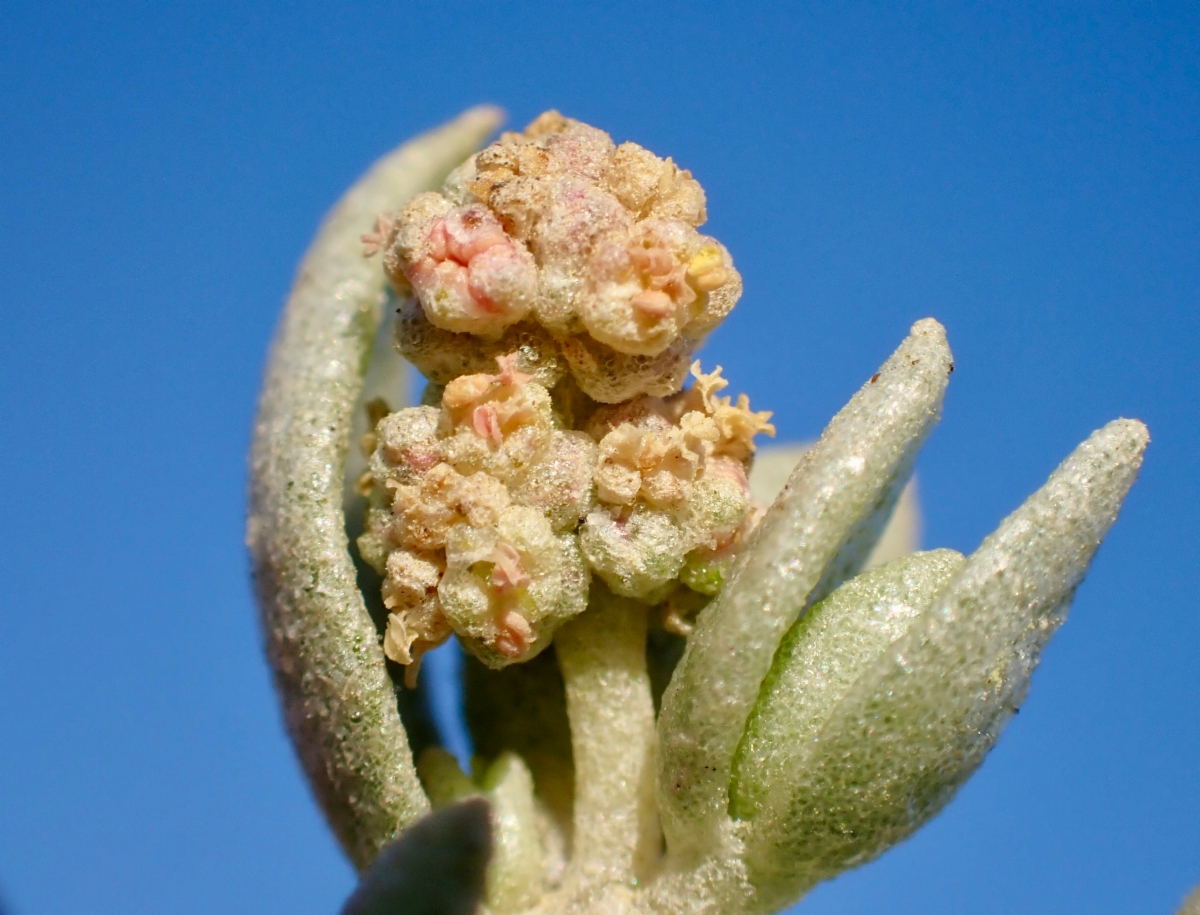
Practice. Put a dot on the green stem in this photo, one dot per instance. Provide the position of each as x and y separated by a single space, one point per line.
602 654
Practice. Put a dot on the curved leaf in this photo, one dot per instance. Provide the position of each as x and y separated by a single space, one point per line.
338 701
913 729
817 533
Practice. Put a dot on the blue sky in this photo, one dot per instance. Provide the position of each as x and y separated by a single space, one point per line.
1027 174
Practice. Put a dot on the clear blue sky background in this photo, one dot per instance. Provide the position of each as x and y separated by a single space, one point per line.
1028 174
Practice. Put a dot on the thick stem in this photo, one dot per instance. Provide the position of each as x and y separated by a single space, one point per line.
602 654
338 700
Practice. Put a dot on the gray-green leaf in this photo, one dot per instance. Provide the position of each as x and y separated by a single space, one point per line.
911 731
833 646
819 531
436 867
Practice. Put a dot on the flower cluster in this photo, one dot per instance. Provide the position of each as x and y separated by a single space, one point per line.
674 500
558 241
574 265
489 516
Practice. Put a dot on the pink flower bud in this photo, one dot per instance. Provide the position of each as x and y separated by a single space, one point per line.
468 275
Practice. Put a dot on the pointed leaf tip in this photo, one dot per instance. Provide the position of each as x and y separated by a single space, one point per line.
820 531
920 720
486 115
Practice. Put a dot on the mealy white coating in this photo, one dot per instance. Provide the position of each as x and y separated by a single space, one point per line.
468 274
576 265
773 464
672 488
442 355
821 659
919 719
338 701
603 659
467 504
639 553
486 517
559 230
834 502
822 656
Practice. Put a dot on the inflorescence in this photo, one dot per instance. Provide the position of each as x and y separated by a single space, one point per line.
572 268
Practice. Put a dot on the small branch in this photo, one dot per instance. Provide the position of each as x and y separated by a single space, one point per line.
602 654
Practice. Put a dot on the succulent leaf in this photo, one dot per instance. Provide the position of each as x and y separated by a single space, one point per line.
822 659
920 719
338 700
560 503
773 464
820 530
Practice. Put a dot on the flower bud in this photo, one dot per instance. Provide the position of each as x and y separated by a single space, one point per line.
469 503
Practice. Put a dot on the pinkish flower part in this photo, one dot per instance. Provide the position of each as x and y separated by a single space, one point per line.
467 273
591 245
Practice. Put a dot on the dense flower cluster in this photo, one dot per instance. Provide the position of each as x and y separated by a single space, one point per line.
488 516
574 266
673 497
558 242
558 484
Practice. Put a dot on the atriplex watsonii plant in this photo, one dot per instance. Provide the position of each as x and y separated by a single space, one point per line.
680 705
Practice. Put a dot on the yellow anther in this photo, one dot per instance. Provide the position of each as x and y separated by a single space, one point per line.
465 390
364 484
706 270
